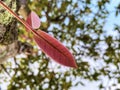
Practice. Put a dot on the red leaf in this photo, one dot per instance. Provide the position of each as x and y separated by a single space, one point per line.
33 20
54 49
48 44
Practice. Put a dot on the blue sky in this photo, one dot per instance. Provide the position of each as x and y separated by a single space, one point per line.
111 20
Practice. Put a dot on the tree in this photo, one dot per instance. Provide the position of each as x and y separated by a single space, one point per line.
79 25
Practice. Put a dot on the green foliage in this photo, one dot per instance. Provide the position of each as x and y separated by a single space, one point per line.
80 26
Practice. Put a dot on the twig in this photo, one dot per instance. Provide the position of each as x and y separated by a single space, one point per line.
3 67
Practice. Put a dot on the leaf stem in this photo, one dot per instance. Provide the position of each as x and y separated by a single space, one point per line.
17 17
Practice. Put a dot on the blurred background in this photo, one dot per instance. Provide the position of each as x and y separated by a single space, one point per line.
91 31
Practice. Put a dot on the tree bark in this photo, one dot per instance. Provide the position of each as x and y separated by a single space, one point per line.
9 44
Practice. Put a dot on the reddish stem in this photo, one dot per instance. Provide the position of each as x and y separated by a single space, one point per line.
17 17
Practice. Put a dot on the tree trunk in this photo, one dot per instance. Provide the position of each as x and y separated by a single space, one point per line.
9 44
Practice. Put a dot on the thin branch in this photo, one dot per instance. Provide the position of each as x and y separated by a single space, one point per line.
3 67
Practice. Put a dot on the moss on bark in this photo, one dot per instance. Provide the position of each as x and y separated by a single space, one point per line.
5 16
9 44
8 32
